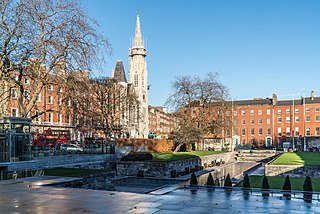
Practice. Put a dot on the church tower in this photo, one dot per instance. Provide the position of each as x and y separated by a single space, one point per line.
138 77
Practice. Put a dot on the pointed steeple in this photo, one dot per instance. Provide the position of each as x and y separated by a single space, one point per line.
119 73
138 36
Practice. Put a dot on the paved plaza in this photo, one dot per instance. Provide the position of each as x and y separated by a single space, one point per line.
26 196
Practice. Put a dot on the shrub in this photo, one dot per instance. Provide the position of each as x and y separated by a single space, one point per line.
265 183
210 181
246 181
307 186
287 184
137 156
193 180
228 182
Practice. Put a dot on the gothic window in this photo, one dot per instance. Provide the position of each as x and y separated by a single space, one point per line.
142 81
135 80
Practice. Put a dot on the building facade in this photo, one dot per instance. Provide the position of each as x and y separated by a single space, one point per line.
62 106
271 122
161 122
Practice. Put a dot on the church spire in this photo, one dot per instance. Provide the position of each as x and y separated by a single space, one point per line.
138 36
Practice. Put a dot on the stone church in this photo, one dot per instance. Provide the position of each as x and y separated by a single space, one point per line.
137 127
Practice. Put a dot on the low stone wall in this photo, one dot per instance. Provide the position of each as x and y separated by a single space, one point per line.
170 169
56 161
292 170
101 181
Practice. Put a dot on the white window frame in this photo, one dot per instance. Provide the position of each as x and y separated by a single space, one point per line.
50 99
16 112
14 94
287 119
59 101
308 118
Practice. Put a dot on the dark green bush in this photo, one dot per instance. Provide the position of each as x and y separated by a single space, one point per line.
228 182
265 183
210 181
193 180
246 181
307 186
287 183
137 156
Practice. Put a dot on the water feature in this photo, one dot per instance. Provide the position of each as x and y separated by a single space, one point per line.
234 169
144 185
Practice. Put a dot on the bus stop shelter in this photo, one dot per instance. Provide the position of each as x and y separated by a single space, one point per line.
15 139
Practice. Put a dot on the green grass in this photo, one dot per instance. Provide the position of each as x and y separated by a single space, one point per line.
170 156
70 172
276 182
298 158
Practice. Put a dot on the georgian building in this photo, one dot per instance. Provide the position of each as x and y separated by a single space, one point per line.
161 122
272 122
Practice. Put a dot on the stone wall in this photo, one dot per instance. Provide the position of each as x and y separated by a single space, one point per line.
256 155
101 181
292 170
170 169
56 161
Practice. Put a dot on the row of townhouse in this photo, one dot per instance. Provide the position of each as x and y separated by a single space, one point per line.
161 122
271 122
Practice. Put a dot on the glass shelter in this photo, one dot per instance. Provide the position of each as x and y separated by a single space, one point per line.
15 139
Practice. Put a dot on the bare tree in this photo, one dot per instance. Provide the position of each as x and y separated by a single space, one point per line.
42 38
112 103
201 105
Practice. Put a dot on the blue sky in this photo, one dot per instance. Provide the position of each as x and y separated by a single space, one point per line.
258 46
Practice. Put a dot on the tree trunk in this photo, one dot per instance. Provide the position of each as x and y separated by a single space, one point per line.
178 147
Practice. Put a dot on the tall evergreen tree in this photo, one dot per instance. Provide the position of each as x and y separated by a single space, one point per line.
246 181
265 183
307 187
193 180
287 183
210 181
228 182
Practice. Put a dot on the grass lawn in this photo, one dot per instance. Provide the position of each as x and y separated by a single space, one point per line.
69 172
170 156
298 158
276 182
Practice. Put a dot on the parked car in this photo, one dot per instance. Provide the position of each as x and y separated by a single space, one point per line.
71 147
77 143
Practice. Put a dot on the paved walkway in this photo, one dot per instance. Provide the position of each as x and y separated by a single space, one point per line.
26 196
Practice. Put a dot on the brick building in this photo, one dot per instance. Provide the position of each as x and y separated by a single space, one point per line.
161 122
271 122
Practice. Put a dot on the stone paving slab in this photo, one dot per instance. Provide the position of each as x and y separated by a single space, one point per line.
18 196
